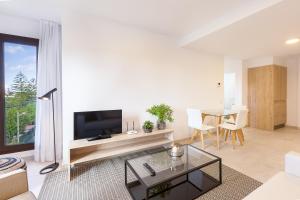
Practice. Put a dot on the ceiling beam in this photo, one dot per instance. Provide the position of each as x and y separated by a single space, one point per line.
239 13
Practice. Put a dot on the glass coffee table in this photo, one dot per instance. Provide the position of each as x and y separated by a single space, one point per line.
186 177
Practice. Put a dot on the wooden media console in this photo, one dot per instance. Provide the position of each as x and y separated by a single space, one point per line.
83 151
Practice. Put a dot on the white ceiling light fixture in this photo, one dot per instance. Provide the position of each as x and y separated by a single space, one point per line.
292 41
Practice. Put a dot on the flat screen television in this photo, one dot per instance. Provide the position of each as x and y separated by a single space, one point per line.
97 123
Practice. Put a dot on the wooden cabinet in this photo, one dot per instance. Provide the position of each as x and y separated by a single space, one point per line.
267 93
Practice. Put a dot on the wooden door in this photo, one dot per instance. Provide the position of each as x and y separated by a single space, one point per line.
260 91
267 94
283 83
280 95
277 83
264 98
252 97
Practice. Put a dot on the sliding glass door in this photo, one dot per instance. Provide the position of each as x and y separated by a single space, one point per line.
18 66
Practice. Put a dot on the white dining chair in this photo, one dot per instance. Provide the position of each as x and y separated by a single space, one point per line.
235 129
234 108
195 122
238 107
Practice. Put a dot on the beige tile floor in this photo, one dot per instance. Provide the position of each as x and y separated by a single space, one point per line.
261 157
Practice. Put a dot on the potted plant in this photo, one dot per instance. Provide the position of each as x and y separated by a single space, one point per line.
163 113
148 126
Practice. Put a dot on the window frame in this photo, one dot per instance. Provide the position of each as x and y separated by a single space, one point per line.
4 149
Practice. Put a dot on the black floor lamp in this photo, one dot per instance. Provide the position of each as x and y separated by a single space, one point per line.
53 166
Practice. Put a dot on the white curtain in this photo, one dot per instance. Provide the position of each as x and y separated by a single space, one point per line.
48 77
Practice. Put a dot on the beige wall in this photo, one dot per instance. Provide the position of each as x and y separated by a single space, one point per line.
110 66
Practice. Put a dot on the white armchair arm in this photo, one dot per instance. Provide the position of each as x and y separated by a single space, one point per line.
292 163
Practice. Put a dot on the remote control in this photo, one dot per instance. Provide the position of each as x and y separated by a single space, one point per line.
150 169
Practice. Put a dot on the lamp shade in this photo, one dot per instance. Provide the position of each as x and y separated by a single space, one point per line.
47 96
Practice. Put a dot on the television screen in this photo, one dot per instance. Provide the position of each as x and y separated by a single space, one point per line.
94 123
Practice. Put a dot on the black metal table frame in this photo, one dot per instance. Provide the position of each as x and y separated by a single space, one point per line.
148 188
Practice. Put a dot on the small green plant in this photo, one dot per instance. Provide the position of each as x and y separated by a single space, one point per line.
148 125
163 112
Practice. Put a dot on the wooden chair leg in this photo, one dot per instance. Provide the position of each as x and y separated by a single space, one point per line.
194 135
239 134
202 139
209 134
222 132
218 140
242 134
226 135
233 139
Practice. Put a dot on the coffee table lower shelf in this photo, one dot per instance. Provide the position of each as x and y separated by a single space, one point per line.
189 186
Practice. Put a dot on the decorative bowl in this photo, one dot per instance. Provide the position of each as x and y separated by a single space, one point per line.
176 151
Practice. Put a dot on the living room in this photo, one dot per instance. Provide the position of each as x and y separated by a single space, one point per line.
184 63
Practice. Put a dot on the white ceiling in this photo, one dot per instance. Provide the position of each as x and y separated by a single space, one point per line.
171 17
34 9
237 28
261 34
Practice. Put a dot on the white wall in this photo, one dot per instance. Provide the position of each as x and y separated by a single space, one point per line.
298 94
110 66
292 63
229 90
258 62
235 66
266 60
19 26
245 85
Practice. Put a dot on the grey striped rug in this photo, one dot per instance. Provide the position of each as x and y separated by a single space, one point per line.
104 180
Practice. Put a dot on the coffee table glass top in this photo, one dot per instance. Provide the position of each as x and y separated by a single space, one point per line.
167 167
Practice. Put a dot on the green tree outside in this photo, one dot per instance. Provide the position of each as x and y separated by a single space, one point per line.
20 98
